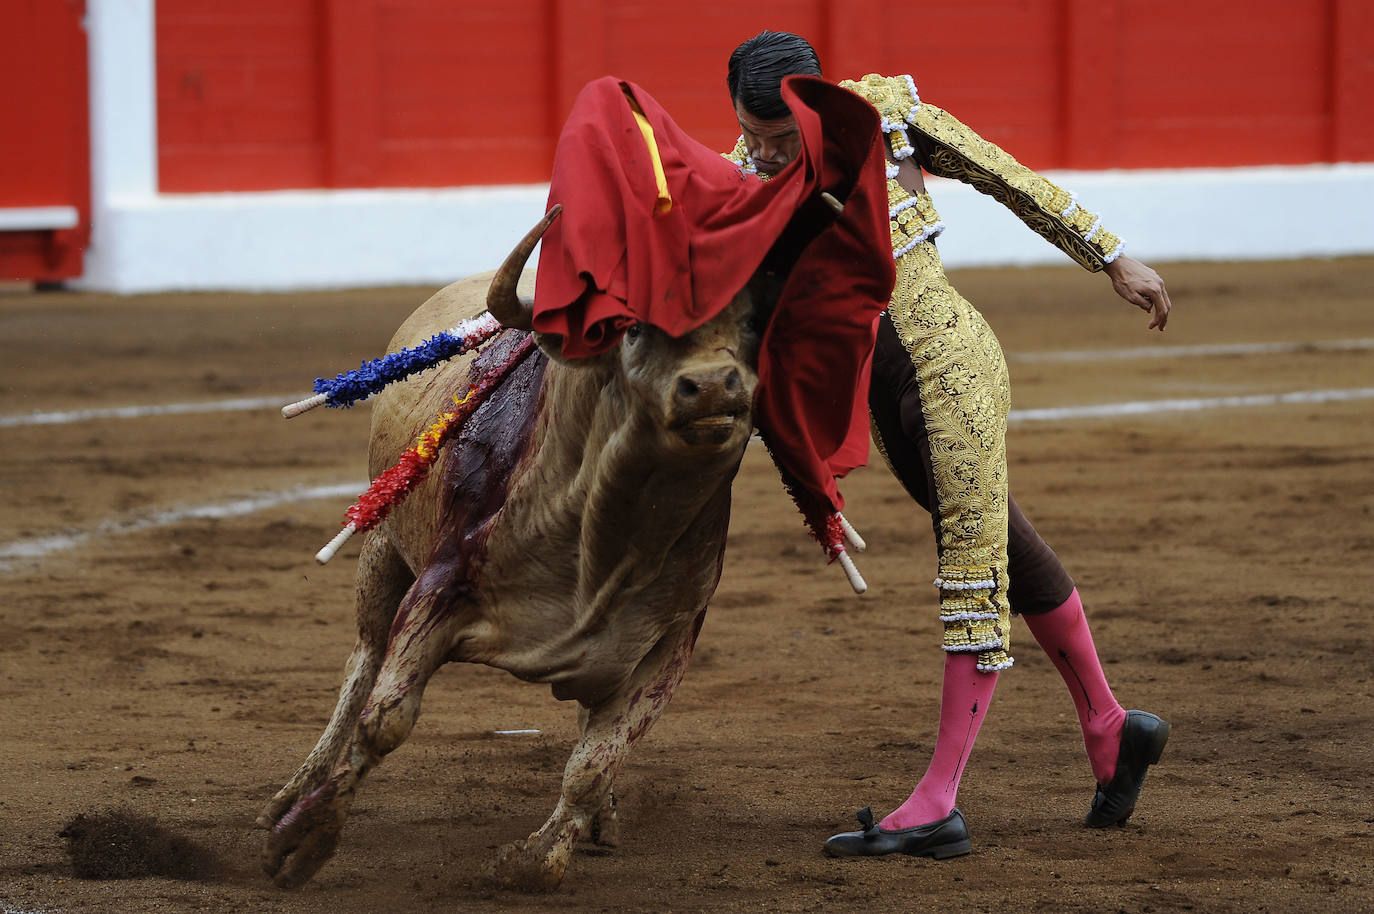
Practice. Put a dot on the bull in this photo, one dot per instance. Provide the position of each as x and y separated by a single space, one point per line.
574 530
572 535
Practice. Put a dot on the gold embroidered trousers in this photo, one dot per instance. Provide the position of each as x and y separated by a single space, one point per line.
965 397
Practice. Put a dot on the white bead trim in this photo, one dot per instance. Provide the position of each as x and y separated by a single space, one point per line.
1073 205
995 667
930 232
1093 229
908 203
747 166
915 99
974 648
965 585
891 172
968 617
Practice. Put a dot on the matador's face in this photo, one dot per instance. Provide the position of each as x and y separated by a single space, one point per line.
772 144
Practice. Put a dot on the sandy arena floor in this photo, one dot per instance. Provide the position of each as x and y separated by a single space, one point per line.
161 661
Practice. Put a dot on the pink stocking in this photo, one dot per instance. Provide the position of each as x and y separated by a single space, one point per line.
964 699
1064 635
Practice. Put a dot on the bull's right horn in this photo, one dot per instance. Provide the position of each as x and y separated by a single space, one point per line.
502 302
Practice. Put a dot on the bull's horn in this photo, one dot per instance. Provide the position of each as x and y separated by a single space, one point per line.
502 302
830 201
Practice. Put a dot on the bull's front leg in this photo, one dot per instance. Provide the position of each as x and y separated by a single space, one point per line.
304 838
538 863
382 581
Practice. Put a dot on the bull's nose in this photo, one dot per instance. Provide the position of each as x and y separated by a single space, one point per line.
709 392
710 405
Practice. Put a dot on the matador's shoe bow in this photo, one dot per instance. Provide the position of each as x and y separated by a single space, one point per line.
945 838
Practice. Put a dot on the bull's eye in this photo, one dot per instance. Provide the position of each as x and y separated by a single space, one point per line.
633 332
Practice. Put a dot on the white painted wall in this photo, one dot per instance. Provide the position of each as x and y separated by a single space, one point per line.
123 98
1190 214
311 239
144 241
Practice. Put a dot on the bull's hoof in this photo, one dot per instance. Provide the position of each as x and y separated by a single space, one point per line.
276 808
301 841
605 831
518 867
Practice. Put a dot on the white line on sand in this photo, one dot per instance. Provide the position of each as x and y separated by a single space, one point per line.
1063 355
1172 352
240 404
1147 407
41 546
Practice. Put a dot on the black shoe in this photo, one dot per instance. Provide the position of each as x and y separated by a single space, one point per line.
1142 743
946 838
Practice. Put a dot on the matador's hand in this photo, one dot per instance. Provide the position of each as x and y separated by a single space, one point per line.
1142 287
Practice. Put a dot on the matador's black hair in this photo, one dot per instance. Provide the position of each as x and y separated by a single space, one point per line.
758 66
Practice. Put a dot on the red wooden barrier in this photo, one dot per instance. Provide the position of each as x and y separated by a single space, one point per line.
240 95
44 154
263 94
1352 81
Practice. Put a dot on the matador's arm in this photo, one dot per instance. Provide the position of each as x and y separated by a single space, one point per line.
948 148
944 146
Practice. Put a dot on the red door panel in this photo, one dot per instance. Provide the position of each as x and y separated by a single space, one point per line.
45 151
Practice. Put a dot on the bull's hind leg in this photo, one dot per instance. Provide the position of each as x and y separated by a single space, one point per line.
381 582
303 839
538 862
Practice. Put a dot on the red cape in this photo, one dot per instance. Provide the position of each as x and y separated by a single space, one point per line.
614 258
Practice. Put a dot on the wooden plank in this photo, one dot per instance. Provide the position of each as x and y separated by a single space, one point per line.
38 218
994 64
1087 114
1352 81
239 94
853 37
351 93
577 47
45 186
261 94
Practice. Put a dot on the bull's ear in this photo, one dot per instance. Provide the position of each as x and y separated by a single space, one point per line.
552 346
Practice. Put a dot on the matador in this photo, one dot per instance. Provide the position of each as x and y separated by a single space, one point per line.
938 402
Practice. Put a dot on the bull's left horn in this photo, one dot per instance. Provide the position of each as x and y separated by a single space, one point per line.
502 301
831 202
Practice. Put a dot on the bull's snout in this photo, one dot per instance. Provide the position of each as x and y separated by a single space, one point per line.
714 391
708 403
